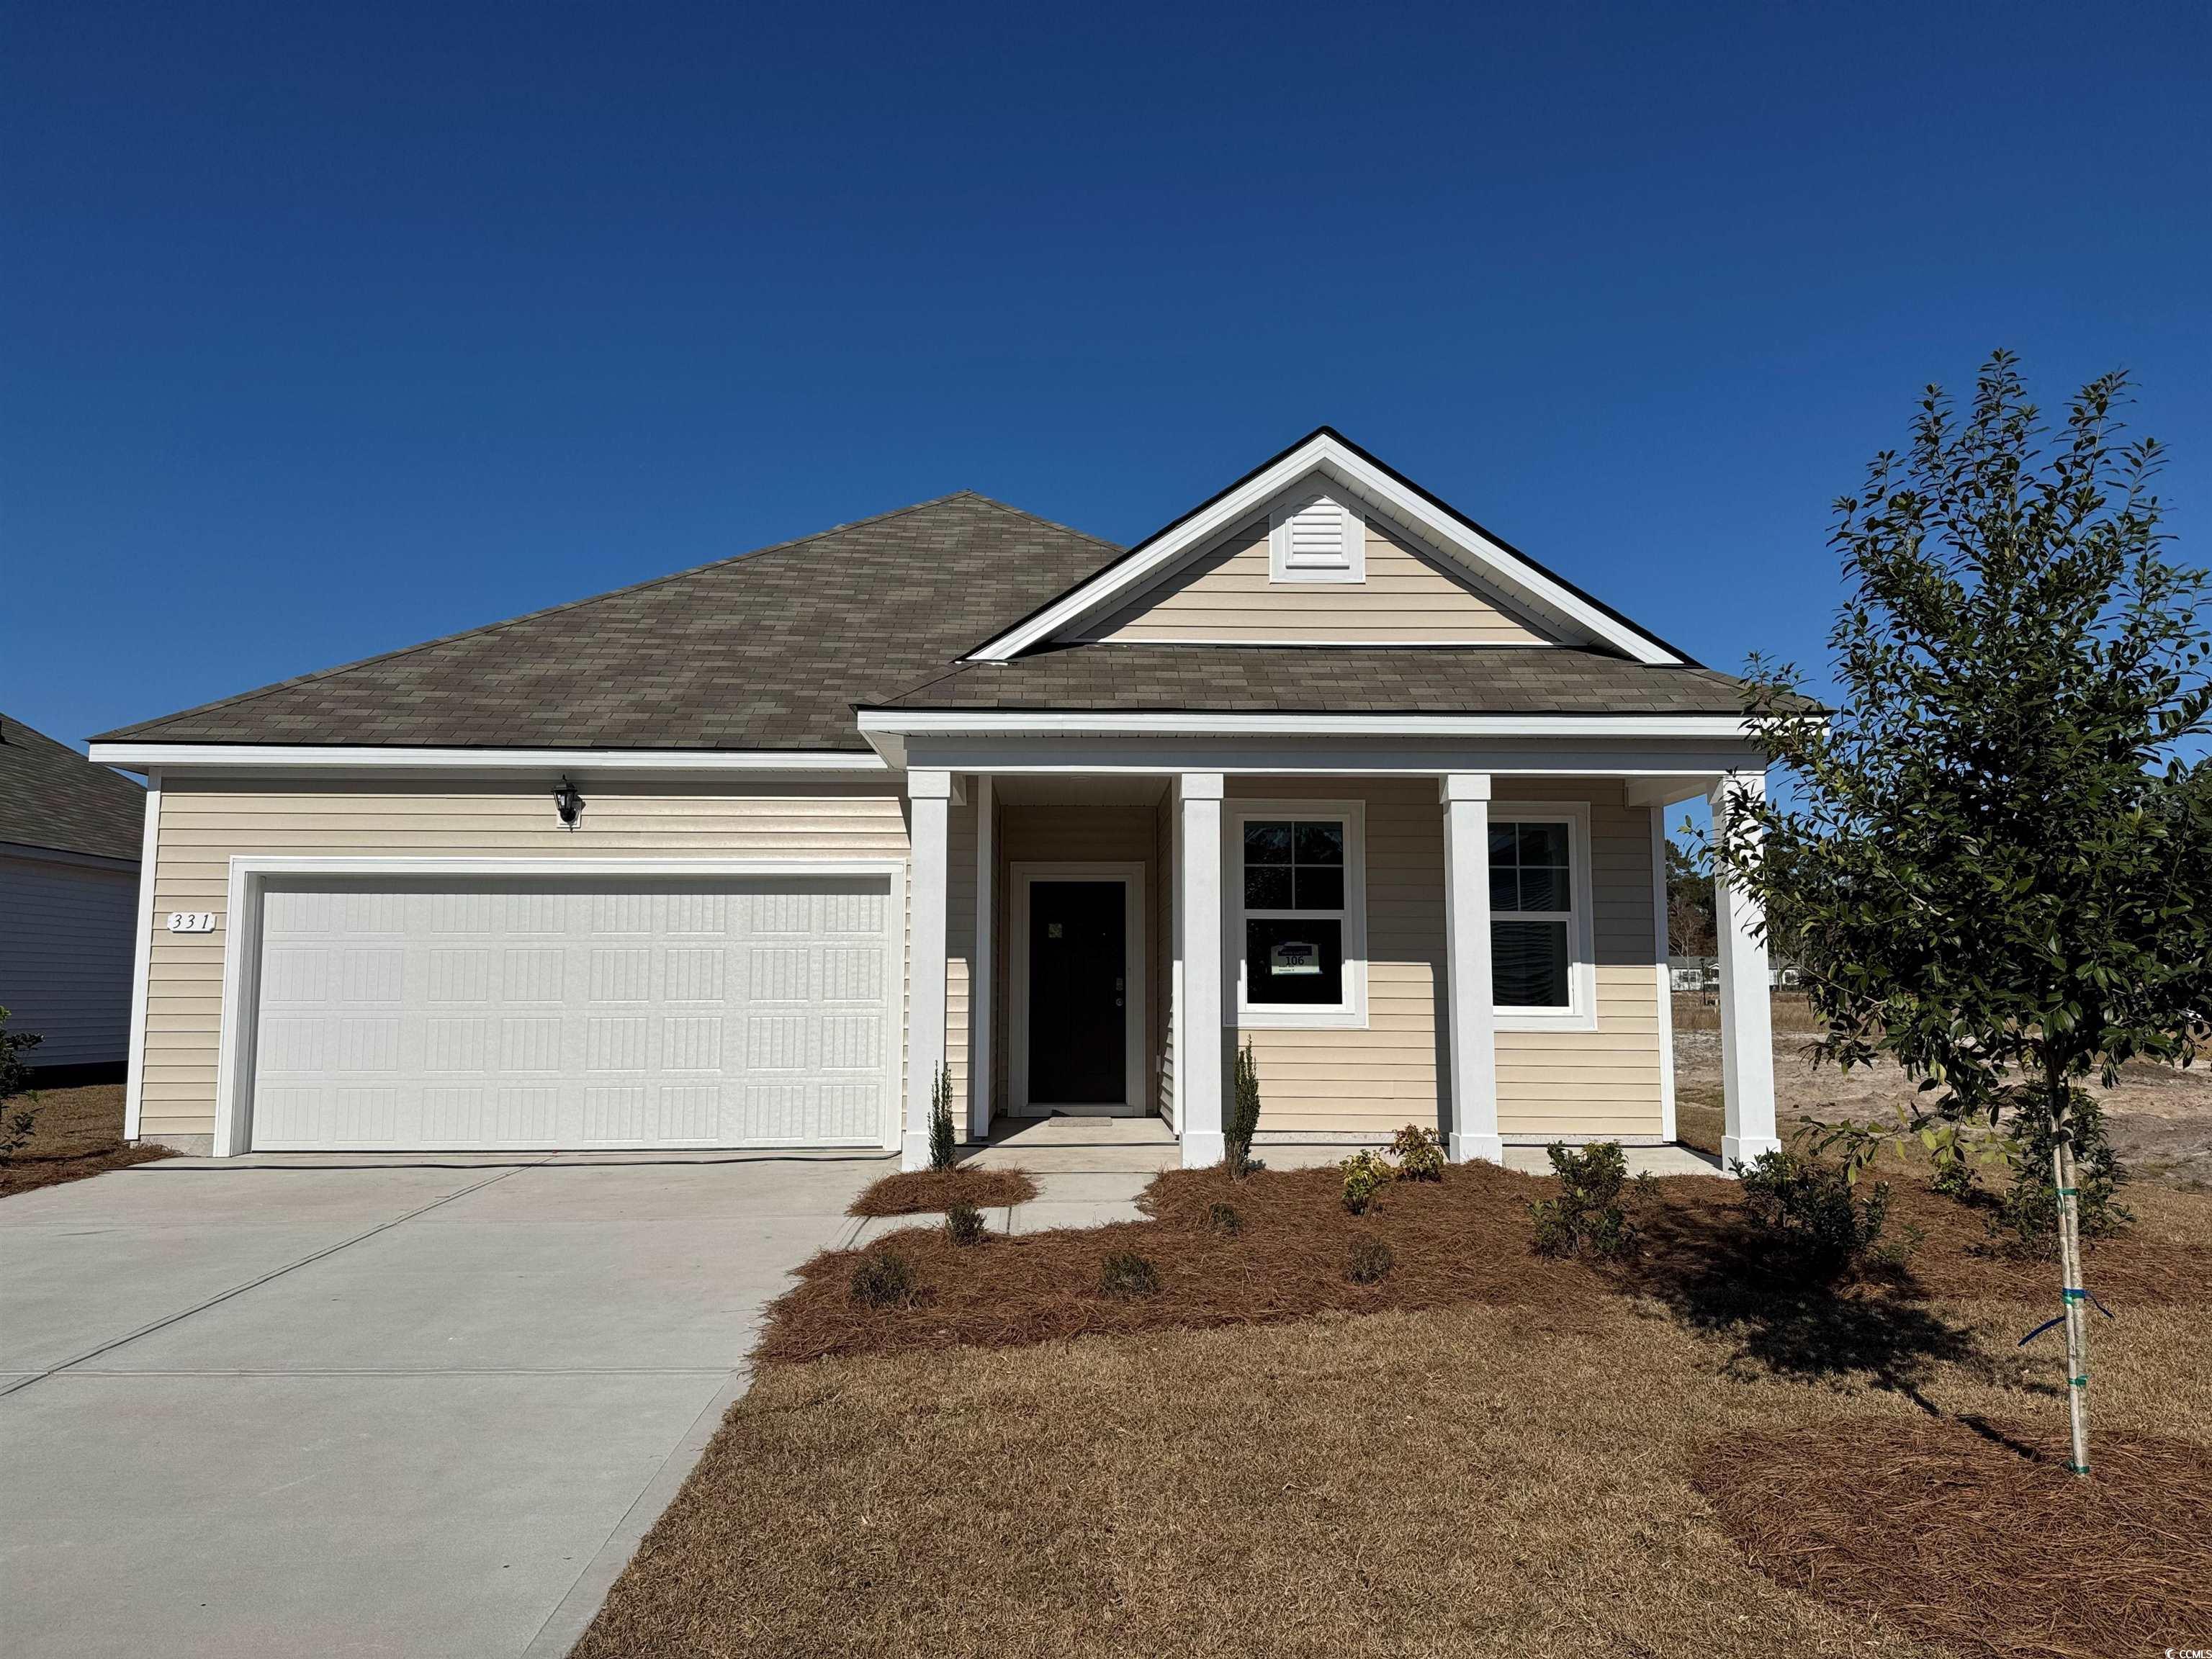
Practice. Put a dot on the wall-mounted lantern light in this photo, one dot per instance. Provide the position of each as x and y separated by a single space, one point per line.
569 802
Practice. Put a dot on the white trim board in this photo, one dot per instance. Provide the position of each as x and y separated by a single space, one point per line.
1324 454
142 960
898 722
1659 945
134 755
250 874
1020 877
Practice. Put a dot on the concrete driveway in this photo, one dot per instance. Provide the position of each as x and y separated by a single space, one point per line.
371 1406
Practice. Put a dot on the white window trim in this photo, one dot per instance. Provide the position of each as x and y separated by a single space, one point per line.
1580 1013
1279 568
1135 951
1352 1014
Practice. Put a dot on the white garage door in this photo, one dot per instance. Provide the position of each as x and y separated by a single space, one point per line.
532 1014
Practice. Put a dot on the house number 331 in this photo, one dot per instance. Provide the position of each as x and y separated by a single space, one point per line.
191 921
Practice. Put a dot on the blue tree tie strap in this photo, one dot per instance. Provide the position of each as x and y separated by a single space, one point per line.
2070 1192
2039 1330
2073 1294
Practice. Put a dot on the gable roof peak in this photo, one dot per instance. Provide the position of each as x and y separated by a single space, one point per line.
1587 620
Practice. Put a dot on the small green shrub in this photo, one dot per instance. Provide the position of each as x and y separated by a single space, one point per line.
1586 1216
1125 1276
1224 1219
886 1279
1244 1115
963 1224
1370 1263
1815 1222
941 1119
1366 1175
15 1073
1420 1153
1955 1179
2026 1221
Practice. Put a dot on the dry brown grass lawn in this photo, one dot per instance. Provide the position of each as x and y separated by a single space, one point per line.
1469 1480
917 1192
1509 1468
79 1133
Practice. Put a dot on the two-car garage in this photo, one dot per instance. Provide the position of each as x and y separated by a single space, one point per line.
502 1010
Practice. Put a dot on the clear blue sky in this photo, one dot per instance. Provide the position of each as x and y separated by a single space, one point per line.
331 329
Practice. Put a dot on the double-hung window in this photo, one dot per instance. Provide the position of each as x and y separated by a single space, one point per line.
1301 914
1540 909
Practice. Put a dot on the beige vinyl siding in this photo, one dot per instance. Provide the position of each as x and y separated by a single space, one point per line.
66 937
1606 1082
203 824
1079 834
1407 599
1372 1081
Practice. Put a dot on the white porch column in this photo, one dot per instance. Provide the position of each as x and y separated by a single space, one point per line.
1198 1011
983 982
930 796
1473 1014
1747 1019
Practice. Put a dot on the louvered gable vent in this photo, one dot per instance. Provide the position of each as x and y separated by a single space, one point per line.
1315 537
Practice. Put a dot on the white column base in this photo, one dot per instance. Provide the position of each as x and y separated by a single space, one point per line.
914 1152
1736 1150
1473 1148
1202 1150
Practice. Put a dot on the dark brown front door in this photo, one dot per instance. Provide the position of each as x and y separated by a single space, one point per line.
1079 993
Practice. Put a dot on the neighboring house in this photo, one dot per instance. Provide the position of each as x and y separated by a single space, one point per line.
740 857
69 837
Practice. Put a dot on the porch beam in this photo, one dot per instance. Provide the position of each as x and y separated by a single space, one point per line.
983 979
1474 1017
1747 1019
929 797
1198 1010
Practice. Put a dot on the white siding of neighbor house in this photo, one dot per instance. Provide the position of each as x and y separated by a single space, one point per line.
1370 1082
65 957
204 822
1226 595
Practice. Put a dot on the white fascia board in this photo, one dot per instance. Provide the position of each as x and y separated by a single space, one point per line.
136 756
1325 453
889 723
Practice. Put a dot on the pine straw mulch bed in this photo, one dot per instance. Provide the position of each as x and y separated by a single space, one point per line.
1463 1240
79 1133
917 1192
1976 1536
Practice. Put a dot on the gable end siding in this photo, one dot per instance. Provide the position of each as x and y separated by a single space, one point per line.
1407 599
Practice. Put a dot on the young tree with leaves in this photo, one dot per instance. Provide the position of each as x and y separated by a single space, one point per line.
1995 865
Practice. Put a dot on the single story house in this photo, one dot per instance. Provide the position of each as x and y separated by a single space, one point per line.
745 856
70 836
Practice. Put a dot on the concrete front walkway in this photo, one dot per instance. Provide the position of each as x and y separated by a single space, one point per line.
291 1406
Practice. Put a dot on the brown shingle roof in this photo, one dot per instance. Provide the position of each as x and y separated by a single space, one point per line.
1293 679
51 796
769 650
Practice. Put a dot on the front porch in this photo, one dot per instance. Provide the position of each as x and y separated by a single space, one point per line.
1479 953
